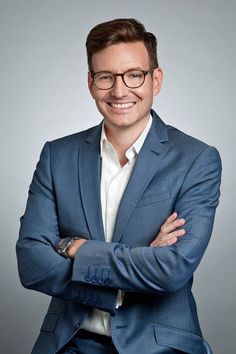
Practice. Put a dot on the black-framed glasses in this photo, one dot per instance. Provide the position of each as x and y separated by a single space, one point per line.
105 80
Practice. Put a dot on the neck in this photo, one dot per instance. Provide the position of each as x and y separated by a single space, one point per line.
122 138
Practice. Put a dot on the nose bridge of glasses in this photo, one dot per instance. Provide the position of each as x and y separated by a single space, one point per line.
119 82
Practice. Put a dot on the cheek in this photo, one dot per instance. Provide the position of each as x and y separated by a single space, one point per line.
100 103
146 92
98 96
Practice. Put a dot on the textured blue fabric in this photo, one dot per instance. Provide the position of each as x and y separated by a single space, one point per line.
173 171
89 346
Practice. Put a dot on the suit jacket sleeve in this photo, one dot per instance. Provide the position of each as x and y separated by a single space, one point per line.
40 267
164 269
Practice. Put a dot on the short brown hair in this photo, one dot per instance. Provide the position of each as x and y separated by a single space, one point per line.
118 31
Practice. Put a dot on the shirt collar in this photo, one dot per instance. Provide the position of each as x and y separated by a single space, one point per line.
135 147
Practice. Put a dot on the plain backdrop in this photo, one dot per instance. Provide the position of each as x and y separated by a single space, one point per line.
44 95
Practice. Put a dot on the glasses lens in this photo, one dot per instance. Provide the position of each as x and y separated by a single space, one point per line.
104 80
134 78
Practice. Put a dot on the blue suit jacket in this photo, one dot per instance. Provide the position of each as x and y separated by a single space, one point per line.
173 171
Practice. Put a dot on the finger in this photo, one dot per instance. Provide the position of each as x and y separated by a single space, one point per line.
177 233
168 242
170 219
172 226
171 241
163 241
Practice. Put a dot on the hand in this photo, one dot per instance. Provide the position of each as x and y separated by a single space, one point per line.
74 247
168 234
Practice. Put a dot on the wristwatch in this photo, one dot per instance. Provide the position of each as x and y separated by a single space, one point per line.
64 244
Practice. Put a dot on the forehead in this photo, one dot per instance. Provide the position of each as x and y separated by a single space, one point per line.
121 57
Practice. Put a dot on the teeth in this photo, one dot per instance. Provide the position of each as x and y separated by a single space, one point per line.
122 105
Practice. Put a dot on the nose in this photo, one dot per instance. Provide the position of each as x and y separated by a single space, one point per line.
119 89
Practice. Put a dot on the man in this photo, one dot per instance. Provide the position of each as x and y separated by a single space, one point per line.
102 230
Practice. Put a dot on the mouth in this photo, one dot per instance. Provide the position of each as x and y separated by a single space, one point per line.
126 105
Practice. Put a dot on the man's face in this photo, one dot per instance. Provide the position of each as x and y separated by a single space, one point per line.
123 107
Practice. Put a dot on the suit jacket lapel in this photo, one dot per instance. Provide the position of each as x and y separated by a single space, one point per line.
89 178
146 166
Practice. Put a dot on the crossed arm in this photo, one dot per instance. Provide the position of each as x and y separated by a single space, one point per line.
167 236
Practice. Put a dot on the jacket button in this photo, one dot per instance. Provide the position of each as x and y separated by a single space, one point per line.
100 281
94 279
87 278
107 282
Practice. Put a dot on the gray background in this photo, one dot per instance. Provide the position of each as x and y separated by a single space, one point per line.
44 95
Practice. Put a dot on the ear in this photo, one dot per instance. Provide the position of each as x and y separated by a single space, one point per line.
90 84
157 80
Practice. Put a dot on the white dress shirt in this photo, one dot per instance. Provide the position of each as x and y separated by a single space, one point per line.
114 179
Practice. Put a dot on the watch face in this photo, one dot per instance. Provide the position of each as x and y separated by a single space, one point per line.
63 246
64 243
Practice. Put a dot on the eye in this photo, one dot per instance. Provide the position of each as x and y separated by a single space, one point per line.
134 74
105 77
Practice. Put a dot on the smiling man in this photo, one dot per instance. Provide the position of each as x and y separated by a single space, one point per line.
103 228
123 81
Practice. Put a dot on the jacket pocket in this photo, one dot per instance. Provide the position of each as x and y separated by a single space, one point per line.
178 339
50 322
153 198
